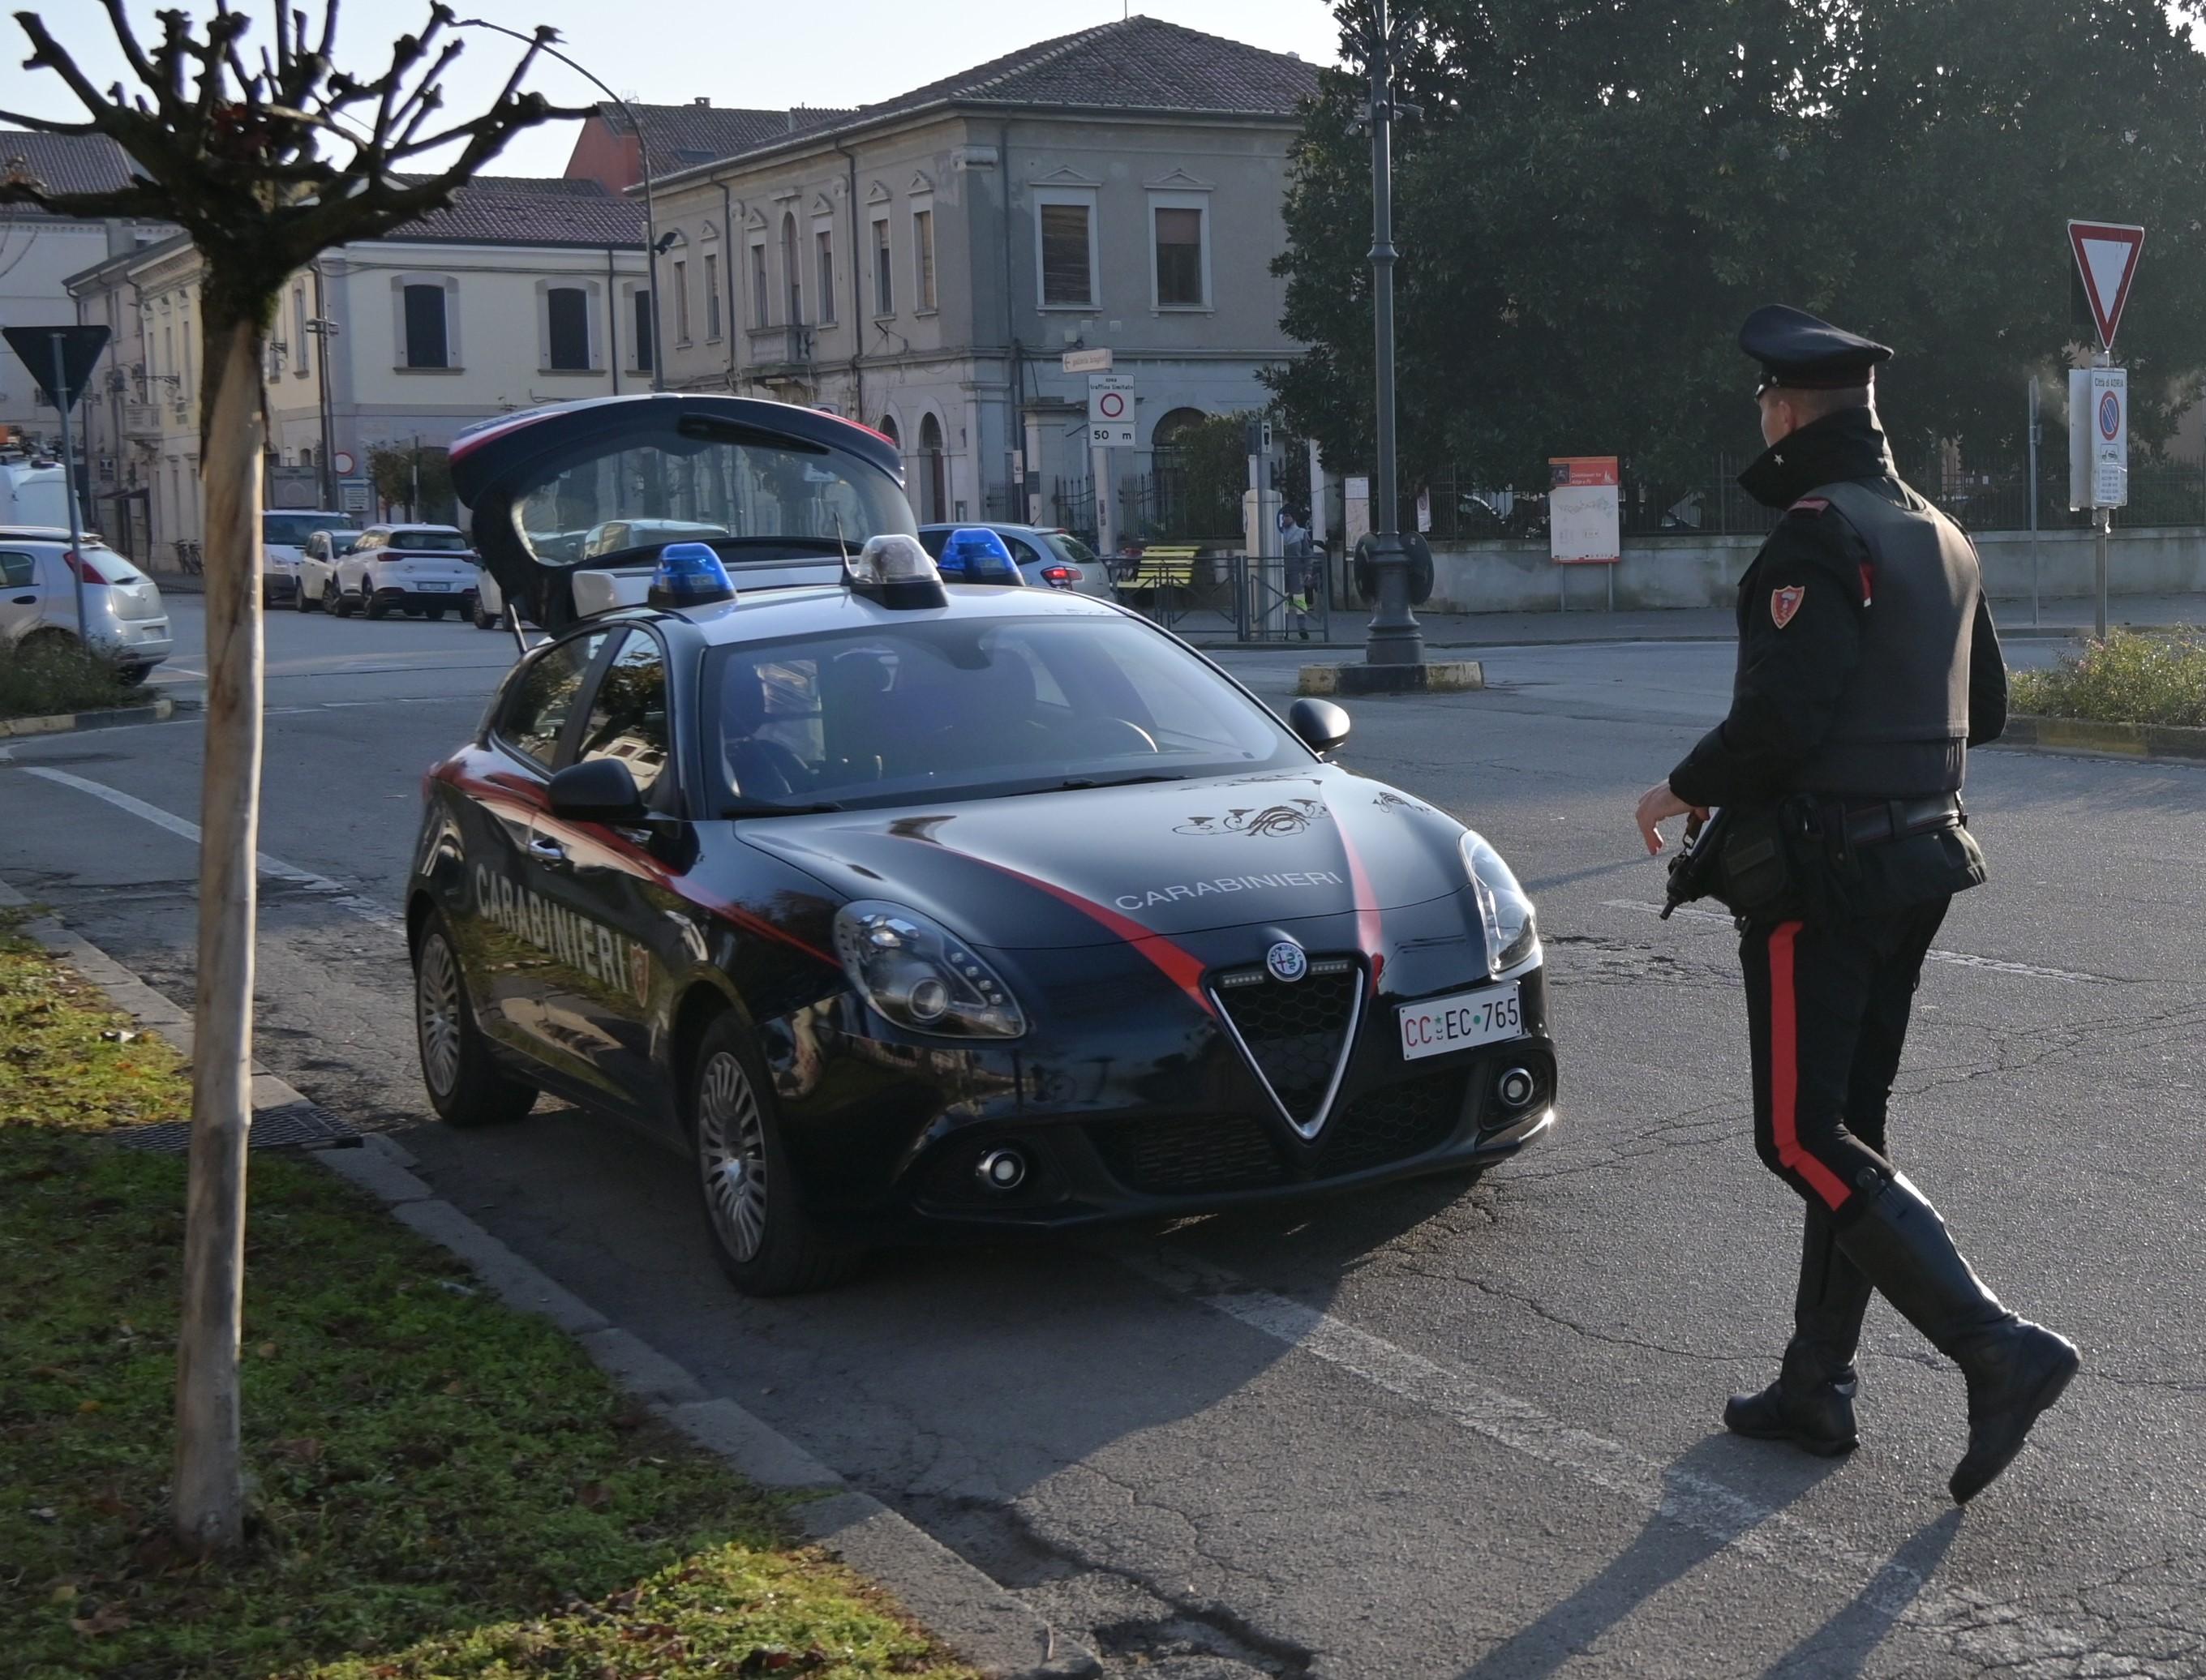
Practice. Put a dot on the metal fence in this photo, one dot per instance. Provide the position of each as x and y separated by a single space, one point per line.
1977 499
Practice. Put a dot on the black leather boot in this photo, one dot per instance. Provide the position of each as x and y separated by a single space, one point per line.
1811 1403
2015 1369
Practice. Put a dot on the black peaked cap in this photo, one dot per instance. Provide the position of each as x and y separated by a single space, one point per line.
1805 352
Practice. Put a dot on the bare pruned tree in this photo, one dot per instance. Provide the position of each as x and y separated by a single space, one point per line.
266 158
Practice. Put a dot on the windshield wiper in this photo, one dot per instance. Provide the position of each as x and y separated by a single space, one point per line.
741 806
1078 783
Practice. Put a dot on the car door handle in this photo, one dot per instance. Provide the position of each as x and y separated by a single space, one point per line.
544 850
25 600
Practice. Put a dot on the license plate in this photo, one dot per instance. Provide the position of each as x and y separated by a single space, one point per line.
1442 1024
432 585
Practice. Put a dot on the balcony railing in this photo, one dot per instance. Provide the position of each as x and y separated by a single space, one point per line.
779 349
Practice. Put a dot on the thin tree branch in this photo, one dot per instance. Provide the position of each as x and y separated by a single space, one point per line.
46 125
140 66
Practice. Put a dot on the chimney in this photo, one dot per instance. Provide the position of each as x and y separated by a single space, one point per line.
704 99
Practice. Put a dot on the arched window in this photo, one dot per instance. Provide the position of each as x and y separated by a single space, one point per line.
792 273
934 491
887 428
1170 430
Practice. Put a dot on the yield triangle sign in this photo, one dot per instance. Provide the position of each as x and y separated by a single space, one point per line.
2106 257
68 351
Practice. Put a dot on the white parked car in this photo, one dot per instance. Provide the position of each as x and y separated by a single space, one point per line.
124 617
284 535
422 570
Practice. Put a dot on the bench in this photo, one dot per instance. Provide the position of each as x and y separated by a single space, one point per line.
1162 567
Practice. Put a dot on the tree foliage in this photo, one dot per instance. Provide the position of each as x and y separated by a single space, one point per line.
1600 191
418 479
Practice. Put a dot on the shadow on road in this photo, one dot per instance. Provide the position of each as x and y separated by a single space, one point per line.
1690 1528
1843 1645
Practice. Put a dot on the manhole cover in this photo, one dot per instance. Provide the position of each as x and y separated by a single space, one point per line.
293 1126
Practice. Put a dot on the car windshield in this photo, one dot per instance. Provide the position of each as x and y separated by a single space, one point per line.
951 710
1074 549
734 486
428 542
294 528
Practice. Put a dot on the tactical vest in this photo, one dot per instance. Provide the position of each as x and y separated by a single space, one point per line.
1901 729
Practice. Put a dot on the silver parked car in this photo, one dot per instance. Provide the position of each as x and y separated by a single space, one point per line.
1048 558
124 617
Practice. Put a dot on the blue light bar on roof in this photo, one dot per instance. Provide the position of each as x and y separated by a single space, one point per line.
974 554
689 574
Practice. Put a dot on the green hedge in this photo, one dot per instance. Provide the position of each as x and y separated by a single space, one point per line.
48 674
2128 678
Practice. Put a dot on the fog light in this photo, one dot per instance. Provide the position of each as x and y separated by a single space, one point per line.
1002 1169
1516 1087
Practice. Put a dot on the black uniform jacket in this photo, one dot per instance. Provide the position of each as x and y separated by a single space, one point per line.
1791 677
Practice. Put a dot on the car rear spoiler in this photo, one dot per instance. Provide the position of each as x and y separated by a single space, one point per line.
496 463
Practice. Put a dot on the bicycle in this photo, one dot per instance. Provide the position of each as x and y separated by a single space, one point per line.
188 558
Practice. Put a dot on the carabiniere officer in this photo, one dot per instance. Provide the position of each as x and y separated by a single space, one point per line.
1868 666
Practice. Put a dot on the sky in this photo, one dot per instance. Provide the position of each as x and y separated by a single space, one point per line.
737 52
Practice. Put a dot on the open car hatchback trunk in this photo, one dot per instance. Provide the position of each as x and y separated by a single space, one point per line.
601 485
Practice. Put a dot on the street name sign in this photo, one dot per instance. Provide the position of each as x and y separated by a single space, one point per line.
1110 410
2106 257
1086 361
2098 437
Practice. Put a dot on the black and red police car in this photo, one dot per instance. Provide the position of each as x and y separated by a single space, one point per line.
900 905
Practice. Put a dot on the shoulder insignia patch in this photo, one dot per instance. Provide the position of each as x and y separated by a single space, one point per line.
1785 602
1810 504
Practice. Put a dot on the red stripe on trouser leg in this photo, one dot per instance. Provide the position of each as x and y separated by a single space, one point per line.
1785 1073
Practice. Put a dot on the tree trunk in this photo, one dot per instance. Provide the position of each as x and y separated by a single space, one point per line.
209 1490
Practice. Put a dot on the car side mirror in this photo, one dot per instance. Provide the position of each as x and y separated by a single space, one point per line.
1319 724
596 790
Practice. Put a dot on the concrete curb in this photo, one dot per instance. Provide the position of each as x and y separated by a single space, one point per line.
157 711
989 1627
2128 741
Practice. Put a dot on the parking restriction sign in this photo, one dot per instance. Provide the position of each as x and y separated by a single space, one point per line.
2098 437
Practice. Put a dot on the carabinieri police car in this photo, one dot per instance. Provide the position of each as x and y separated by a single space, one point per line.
898 906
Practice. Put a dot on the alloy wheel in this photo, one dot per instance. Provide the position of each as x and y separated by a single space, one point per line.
732 1155
437 1013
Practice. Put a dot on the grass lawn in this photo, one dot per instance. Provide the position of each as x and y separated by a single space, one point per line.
441 1486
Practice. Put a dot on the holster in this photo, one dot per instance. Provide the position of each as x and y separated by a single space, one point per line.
1761 862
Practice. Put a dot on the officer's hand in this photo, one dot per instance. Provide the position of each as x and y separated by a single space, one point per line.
1658 805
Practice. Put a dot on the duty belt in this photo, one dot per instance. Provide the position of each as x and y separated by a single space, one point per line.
1869 822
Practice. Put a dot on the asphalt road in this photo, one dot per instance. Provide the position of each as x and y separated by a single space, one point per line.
1436 1431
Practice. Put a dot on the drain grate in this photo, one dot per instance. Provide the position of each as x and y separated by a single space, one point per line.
292 1126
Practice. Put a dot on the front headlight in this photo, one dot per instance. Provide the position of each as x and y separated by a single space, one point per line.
1513 933
918 975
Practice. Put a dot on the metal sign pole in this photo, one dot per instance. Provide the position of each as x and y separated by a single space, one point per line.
2103 518
2035 619
62 397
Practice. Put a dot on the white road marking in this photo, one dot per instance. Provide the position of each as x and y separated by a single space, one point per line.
1959 959
274 868
1987 1631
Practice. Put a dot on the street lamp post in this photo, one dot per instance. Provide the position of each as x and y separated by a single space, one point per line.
323 329
1393 637
541 39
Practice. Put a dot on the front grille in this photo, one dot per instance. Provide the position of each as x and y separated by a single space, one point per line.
1192 1157
1296 1032
1392 1124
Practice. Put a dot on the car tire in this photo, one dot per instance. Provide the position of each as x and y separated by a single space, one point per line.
131 675
483 619
375 608
333 600
434 614
467 1086
753 1215
301 600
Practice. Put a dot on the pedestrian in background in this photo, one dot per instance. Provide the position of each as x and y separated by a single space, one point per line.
1868 666
1295 547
